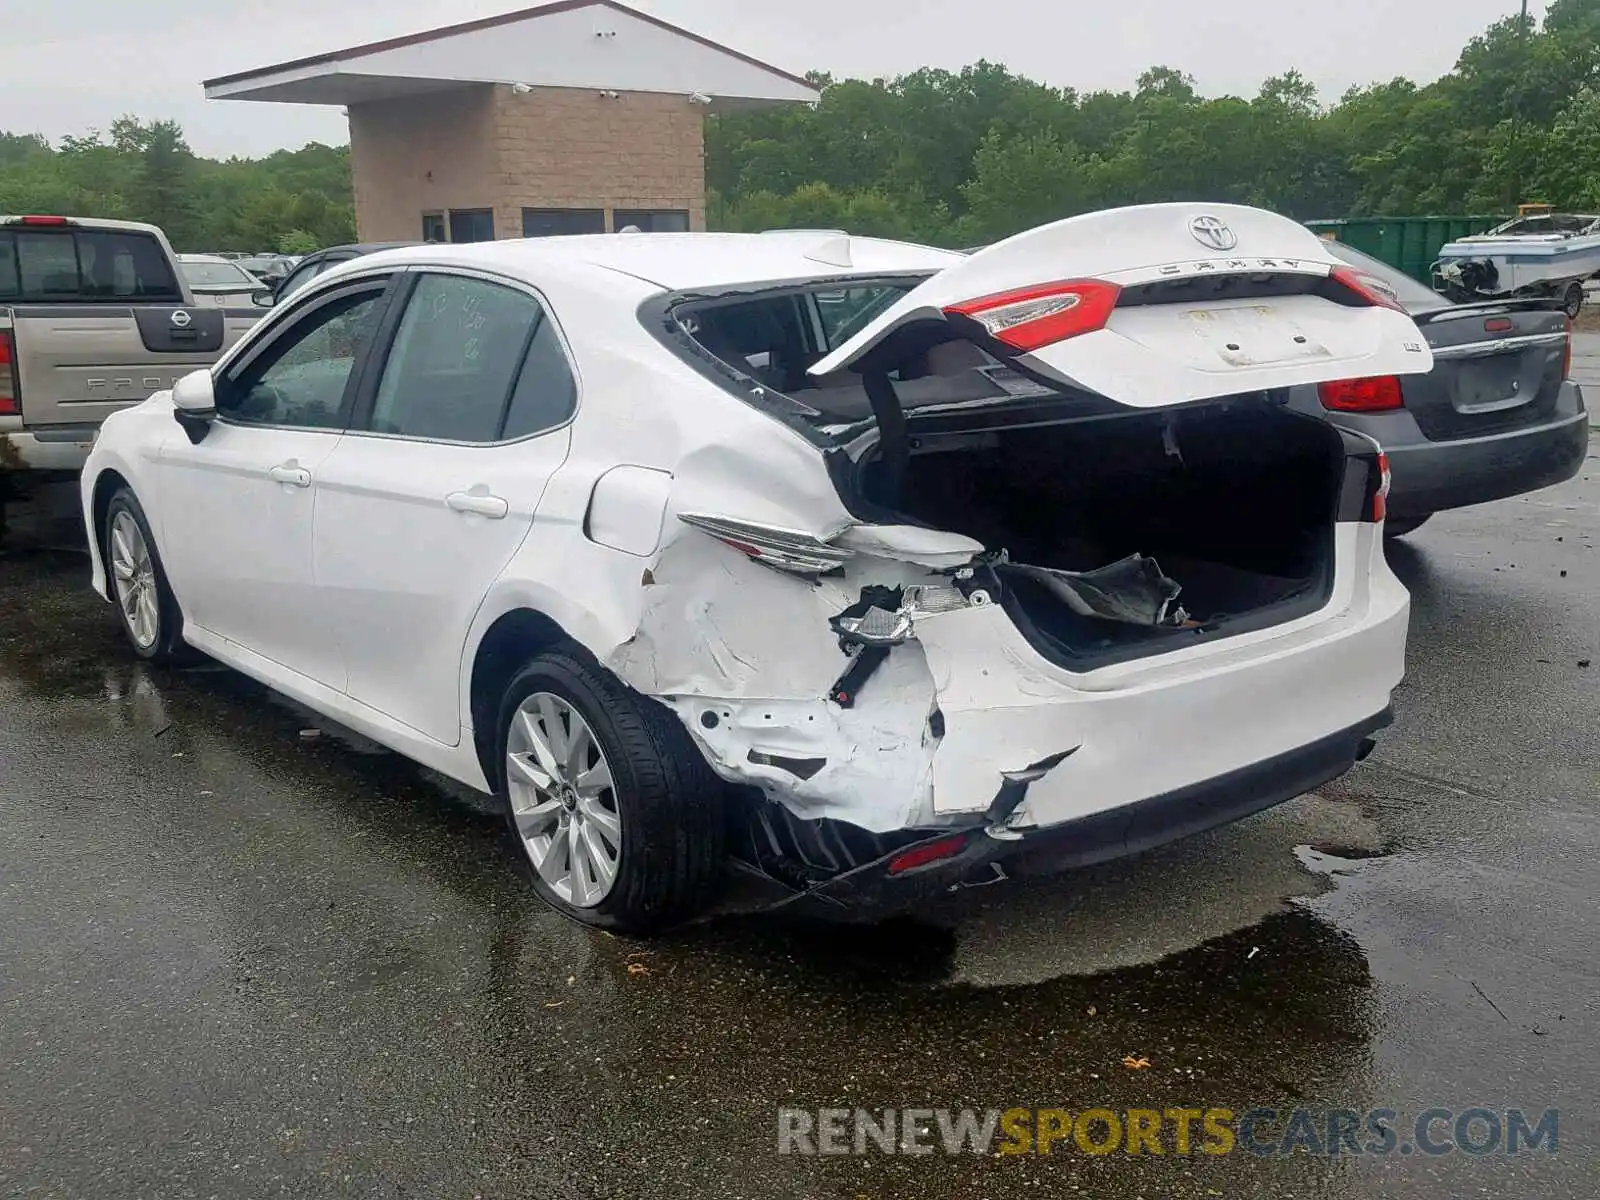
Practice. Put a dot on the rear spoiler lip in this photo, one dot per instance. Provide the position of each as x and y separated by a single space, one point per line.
1485 308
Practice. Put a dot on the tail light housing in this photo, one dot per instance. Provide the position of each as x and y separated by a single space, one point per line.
1380 393
10 400
1035 317
1380 498
1566 353
1368 287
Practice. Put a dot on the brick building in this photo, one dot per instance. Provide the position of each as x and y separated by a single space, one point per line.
575 117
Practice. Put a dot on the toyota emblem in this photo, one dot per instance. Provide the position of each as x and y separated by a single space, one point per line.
181 319
1213 232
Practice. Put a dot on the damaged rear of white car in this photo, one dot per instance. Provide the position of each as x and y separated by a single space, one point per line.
1055 576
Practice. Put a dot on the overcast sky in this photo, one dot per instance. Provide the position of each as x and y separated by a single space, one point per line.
71 65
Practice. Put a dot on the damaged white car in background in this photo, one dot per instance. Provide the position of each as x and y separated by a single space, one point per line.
864 568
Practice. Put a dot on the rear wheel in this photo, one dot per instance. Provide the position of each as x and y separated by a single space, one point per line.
151 619
615 809
1572 300
1398 527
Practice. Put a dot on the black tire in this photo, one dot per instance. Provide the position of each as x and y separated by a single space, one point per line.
1398 527
167 646
669 800
1572 300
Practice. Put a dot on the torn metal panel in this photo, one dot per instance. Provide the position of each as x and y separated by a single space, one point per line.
1132 590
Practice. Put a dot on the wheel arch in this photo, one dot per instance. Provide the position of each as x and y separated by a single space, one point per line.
513 638
106 485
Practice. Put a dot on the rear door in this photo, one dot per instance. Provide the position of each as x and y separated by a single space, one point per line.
1159 305
99 319
457 429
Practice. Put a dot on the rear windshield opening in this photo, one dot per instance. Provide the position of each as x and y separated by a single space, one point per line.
771 339
85 266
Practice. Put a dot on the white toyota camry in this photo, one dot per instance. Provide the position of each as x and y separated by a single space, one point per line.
866 569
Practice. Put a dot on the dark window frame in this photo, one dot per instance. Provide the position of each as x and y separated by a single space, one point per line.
443 226
359 418
173 293
289 331
645 218
472 214
594 216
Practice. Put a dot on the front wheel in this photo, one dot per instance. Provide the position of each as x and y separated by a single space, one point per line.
151 619
1573 299
616 810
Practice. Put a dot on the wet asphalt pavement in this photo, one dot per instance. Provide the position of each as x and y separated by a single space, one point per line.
239 962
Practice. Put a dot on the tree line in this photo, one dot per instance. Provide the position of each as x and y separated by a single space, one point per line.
960 158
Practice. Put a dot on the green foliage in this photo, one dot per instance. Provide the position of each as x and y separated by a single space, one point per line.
145 171
960 158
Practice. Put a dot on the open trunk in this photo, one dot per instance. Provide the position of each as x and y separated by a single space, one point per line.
1236 502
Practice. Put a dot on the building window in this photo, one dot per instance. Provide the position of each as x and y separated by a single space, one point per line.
433 227
651 220
553 222
472 225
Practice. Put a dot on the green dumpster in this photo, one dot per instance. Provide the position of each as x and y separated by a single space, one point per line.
1408 243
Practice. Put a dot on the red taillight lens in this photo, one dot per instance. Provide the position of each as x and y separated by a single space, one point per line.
1030 318
1380 498
41 220
1497 325
1368 287
927 853
1380 393
9 406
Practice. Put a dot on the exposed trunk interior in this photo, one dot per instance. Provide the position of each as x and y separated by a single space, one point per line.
1235 501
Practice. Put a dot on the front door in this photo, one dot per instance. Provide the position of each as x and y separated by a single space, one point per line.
423 503
237 507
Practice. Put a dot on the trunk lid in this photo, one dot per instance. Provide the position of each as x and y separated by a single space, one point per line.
1161 305
1497 367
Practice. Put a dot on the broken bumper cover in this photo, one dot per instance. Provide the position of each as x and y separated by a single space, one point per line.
873 890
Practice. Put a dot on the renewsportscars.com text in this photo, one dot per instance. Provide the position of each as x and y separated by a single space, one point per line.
1326 1132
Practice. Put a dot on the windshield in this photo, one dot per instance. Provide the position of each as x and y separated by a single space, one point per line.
218 274
1414 296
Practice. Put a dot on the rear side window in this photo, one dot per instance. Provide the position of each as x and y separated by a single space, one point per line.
85 266
472 361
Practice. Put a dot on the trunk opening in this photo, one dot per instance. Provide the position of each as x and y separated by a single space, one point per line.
1235 501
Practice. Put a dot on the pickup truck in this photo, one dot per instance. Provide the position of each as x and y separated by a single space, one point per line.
94 316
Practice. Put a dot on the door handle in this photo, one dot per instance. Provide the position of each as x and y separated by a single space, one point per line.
481 503
294 476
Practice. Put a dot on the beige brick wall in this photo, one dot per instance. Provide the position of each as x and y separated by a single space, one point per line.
422 154
571 148
490 147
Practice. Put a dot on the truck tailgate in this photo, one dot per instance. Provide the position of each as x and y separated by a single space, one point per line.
78 363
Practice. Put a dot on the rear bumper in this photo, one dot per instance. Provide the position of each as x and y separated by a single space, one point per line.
871 891
62 450
1428 477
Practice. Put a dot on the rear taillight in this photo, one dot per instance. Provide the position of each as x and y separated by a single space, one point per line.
1367 287
10 402
1380 498
1566 353
1380 393
1031 318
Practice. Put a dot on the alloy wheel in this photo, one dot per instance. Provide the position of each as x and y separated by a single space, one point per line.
133 577
563 800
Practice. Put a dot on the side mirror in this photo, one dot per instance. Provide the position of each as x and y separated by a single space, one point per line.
263 299
194 404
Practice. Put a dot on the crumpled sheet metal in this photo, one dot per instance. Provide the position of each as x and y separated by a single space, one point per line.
1132 590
